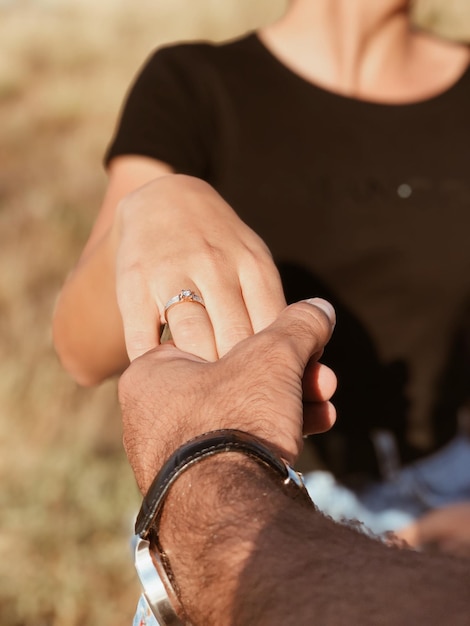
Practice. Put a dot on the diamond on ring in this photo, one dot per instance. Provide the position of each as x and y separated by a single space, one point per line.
185 295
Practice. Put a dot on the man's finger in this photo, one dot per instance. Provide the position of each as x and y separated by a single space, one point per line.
318 383
318 417
308 325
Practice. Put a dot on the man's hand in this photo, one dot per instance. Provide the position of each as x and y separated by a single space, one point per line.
242 550
270 385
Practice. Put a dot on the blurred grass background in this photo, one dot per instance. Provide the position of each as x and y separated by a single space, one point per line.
67 496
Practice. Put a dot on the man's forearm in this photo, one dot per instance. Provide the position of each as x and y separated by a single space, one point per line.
210 530
243 551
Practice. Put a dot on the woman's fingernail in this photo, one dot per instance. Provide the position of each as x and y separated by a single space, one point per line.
326 307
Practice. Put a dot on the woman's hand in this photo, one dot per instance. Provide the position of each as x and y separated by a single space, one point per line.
177 233
447 529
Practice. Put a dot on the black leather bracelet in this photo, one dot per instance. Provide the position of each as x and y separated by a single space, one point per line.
153 568
193 452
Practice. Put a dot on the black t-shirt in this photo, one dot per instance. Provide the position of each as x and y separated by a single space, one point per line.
365 203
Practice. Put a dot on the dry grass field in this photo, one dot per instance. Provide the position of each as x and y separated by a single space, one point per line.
67 497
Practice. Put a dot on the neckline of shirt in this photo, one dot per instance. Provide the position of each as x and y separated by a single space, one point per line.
351 100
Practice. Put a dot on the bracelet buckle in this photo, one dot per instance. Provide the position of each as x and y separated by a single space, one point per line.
158 591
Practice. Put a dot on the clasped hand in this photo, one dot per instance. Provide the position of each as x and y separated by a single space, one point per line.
270 384
178 233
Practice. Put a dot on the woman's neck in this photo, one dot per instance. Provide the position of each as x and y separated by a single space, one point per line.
363 48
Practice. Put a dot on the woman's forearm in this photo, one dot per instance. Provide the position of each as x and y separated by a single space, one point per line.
87 325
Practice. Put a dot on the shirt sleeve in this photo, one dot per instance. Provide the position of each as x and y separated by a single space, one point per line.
163 116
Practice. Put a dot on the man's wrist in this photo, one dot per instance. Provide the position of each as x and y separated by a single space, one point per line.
209 530
172 440
184 460
197 450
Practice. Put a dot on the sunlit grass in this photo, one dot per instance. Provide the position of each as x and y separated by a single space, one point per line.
68 496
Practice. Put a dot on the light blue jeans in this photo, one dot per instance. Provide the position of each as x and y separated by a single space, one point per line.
433 482
436 481
143 615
